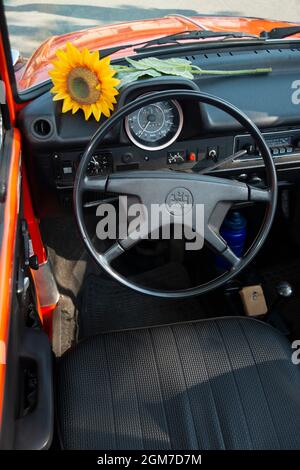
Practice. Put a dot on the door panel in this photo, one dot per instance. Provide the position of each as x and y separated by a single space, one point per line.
26 391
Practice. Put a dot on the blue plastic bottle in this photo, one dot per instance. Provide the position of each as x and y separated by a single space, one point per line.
233 230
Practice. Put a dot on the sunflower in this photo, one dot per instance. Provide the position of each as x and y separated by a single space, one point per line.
83 81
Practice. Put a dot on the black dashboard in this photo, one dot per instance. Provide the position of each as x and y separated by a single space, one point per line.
178 134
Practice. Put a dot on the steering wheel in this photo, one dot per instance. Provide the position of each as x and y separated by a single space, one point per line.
154 187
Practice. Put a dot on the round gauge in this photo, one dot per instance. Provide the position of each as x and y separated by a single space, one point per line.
155 126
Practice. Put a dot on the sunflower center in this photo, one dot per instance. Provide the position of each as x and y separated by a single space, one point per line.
83 85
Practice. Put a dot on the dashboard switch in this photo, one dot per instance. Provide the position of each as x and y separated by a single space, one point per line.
67 169
178 156
251 149
192 157
127 157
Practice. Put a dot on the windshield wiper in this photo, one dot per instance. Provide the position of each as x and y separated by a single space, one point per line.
280 33
193 35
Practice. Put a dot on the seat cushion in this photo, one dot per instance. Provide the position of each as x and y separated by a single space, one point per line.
216 384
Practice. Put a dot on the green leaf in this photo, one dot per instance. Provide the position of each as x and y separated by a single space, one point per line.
129 77
154 67
178 61
178 67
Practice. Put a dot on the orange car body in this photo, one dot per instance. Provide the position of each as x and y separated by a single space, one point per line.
36 69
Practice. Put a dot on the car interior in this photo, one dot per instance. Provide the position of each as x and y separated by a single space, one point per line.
154 346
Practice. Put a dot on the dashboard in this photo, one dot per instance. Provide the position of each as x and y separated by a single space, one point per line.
178 134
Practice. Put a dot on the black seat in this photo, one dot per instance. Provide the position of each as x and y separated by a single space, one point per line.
217 384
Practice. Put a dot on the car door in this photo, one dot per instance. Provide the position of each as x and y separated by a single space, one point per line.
26 396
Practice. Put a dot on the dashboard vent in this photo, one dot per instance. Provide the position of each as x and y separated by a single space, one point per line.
42 128
239 58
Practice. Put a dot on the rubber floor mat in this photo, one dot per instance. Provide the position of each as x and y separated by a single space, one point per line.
288 271
105 305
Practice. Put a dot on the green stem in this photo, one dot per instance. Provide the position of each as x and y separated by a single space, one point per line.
231 72
198 71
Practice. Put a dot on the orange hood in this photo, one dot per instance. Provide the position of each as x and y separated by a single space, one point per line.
36 69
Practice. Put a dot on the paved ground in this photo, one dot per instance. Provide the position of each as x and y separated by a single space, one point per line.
32 21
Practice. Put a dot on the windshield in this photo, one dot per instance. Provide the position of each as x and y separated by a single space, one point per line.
38 29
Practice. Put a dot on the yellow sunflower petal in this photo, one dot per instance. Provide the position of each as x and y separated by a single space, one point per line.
62 56
105 61
59 96
94 56
87 109
75 108
96 111
105 109
67 105
85 57
73 53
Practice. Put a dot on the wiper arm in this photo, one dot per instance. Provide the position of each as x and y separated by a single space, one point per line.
175 38
280 33
195 35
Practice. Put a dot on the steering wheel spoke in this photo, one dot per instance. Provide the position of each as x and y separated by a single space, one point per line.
94 183
219 246
112 253
123 245
259 195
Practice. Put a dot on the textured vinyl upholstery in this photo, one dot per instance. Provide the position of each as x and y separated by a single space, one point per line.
216 384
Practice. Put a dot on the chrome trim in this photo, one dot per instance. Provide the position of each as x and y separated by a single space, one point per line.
289 169
159 147
15 56
258 163
45 284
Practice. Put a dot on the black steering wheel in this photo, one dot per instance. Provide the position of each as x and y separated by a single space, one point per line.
154 187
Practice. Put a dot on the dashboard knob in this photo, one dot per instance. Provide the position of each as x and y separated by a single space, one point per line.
284 289
243 177
256 180
127 157
251 149
213 154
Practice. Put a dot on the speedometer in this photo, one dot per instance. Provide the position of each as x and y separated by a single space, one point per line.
155 126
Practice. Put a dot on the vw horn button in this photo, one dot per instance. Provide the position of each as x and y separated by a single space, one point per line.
179 201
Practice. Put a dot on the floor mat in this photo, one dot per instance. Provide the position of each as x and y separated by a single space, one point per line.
289 308
105 305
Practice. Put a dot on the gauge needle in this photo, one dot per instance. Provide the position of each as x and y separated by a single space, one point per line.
145 128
